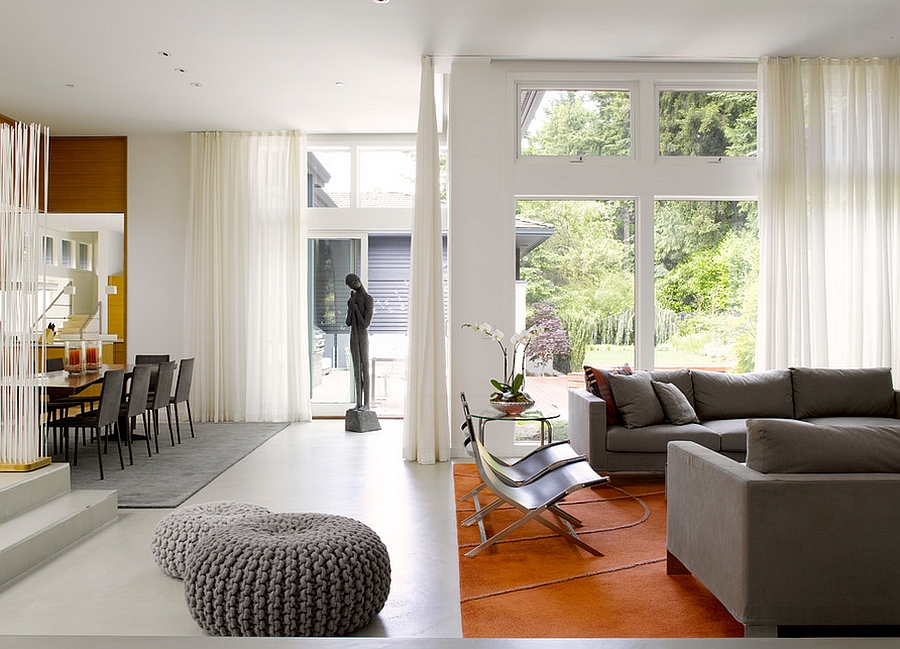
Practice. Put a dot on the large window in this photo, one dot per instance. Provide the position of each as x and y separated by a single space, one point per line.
654 254
707 270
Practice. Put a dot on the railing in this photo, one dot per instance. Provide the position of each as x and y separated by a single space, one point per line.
97 310
63 291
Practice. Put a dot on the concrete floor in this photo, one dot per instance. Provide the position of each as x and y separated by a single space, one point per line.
109 584
107 592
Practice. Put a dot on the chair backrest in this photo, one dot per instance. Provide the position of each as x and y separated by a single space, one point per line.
163 385
183 385
110 397
467 427
53 364
140 388
150 359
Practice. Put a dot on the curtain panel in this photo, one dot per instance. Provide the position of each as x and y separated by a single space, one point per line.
426 424
829 210
246 292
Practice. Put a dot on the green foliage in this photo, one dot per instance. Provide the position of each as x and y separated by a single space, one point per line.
583 123
707 123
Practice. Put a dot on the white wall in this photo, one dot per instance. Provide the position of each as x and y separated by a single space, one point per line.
481 253
158 208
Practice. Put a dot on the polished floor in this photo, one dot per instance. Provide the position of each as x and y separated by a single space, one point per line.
109 585
107 592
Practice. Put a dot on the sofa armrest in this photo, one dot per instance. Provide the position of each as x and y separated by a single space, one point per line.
587 427
785 548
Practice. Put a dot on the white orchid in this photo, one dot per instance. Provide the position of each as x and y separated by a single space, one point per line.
510 389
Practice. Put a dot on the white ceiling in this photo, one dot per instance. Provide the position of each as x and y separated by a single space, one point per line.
92 66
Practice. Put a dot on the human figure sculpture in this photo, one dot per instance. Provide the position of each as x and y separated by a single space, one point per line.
360 308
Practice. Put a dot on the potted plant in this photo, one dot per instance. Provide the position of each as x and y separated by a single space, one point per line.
509 395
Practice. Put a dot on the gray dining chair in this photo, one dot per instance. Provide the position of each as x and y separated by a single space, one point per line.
183 393
160 399
134 405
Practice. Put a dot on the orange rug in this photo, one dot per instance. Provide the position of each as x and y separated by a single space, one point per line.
534 584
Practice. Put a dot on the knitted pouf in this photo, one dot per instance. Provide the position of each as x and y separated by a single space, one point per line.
178 532
288 575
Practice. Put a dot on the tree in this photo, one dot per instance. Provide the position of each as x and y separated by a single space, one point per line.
707 123
583 123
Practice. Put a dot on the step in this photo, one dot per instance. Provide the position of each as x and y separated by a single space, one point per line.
34 536
20 492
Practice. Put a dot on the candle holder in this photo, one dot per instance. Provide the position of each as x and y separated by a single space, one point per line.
73 360
93 356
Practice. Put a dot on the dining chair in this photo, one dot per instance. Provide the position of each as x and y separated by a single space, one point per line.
105 418
151 359
183 393
134 404
160 399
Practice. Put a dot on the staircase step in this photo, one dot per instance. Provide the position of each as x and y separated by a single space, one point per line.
34 536
20 492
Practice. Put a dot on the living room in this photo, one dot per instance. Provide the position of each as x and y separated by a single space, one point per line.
482 49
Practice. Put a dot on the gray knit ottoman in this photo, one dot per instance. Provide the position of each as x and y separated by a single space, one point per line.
287 575
177 533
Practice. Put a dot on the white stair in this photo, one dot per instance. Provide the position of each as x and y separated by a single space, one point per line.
40 516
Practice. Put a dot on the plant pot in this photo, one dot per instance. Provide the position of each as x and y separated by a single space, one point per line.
512 407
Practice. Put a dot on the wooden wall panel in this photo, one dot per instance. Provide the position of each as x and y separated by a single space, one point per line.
88 174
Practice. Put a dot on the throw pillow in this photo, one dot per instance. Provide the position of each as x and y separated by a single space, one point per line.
595 382
675 405
635 399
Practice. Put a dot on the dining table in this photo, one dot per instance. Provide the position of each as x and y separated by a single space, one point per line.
61 383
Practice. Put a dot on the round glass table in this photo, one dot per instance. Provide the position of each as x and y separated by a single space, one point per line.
536 414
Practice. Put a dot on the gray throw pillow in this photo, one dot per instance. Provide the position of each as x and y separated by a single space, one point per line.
675 405
636 400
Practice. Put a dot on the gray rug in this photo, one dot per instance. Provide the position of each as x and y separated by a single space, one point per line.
175 474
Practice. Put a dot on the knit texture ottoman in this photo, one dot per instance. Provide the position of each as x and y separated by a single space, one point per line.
287 575
177 533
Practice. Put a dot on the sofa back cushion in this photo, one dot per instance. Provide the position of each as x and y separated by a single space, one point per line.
821 392
736 396
792 446
636 399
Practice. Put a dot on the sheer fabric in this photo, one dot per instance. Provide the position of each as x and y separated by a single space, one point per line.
246 262
829 210
426 425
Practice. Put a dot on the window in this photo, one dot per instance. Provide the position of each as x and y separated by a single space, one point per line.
48 251
574 123
66 258
84 256
707 271
707 123
387 178
329 178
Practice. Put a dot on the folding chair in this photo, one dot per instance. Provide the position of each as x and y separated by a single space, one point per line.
528 468
533 497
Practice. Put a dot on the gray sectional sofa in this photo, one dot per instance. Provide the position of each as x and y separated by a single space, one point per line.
722 404
804 534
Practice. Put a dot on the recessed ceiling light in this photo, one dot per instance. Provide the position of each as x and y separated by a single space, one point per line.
70 85
196 84
338 84
180 70
164 54
381 2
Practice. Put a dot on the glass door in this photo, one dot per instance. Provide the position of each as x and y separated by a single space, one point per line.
331 369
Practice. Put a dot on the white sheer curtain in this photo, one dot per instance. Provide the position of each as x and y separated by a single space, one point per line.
426 432
246 263
829 211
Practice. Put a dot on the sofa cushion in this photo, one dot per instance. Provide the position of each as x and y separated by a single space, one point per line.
679 378
791 446
654 439
676 407
821 392
635 399
732 433
850 422
595 382
733 396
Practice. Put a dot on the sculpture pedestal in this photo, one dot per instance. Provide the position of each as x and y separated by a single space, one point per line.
361 421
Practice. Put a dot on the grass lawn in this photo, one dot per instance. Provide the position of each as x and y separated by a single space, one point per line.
603 355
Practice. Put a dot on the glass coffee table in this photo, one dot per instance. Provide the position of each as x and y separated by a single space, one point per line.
536 414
